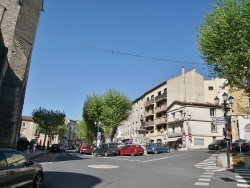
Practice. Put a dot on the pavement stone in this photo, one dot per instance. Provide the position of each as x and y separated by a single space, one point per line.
34 154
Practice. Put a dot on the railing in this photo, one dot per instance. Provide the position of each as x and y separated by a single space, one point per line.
149 102
174 134
161 108
176 118
150 112
159 97
160 120
149 123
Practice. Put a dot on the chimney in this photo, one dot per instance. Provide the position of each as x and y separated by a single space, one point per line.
182 70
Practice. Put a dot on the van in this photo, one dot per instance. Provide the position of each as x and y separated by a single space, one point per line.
106 149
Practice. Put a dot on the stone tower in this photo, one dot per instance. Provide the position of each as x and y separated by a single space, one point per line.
18 25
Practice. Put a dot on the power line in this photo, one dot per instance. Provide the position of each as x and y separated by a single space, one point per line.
118 52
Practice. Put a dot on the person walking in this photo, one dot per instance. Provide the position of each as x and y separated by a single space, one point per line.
31 146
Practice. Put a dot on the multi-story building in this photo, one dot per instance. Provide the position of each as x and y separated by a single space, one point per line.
70 137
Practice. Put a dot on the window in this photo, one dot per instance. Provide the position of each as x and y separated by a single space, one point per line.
3 162
210 88
198 142
152 96
165 91
23 124
212 112
15 159
159 93
213 128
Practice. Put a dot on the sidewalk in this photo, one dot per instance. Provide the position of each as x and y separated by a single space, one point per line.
34 154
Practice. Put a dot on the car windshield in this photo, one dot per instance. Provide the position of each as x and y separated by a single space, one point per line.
216 142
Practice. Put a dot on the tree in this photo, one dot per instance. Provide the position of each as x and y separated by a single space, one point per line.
117 108
110 109
224 42
83 133
48 121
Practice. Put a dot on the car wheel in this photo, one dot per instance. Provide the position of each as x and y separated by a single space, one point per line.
105 154
219 147
168 150
155 151
38 181
132 154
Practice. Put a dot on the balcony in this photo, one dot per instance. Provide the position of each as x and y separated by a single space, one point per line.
175 119
148 113
149 102
161 108
160 97
160 120
149 123
174 134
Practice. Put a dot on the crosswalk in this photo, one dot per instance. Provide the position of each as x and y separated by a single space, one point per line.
242 177
209 165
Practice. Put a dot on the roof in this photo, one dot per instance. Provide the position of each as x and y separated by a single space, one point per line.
185 103
27 118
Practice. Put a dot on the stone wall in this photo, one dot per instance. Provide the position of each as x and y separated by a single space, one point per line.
18 25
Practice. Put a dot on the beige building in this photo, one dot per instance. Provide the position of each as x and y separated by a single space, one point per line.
181 106
70 137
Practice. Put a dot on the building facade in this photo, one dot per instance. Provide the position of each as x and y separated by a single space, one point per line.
18 25
181 107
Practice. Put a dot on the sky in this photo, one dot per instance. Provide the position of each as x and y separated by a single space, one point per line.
88 46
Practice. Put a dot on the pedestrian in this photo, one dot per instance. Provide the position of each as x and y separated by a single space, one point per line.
31 146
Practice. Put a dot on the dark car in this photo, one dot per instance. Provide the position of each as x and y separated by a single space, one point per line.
241 144
16 170
157 148
217 144
55 148
106 149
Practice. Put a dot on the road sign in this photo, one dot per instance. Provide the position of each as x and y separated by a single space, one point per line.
223 118
220 122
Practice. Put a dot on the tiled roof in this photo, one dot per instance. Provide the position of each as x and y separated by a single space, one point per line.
27 118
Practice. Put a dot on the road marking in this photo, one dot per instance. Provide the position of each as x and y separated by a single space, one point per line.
243 185
203 179
206 176
242 177
202 184
103 166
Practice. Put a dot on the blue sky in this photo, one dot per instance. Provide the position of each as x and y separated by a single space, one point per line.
72 55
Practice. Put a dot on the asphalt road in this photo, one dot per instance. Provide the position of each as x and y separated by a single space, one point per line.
187 169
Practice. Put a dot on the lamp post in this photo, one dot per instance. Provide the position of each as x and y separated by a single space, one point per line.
98 124
226 106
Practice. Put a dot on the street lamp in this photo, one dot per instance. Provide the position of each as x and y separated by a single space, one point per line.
98 124
226 106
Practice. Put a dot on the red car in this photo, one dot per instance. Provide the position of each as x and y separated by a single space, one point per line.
131 149
85 148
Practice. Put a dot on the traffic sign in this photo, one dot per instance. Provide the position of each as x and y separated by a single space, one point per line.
220 122
223 118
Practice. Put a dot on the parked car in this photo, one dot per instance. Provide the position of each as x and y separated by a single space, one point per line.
131 149
106 149
85 148
55 148
157 148
217 144
241 144
16 170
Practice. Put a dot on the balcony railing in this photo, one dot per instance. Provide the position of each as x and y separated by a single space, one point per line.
162 96
160 120
149 123
150 112
176 118
149 102
161 108
174 134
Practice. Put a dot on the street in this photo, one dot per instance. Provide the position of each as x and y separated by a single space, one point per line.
176 169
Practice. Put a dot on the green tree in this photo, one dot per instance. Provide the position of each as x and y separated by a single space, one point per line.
110 109
224 42
48 121
83 132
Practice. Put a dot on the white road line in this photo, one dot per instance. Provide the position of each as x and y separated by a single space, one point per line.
242 181
242 185
202 184
206 176
209 173
204 179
